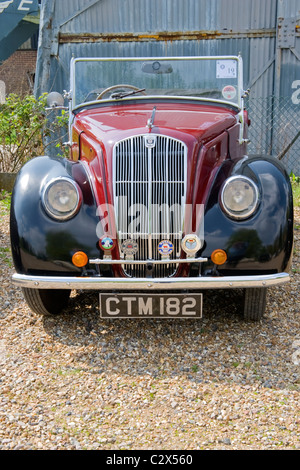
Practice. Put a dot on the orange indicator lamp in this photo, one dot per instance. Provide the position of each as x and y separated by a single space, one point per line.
79 259
219 257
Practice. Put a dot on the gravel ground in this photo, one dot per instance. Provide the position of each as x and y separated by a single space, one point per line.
79 382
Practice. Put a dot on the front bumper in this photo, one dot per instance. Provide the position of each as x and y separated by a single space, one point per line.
134 284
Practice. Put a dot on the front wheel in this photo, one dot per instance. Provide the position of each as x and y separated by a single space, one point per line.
254 303
46 301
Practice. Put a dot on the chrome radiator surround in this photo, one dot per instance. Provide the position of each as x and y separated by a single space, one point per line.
149 183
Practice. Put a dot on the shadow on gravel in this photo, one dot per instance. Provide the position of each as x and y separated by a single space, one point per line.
83 314
220 347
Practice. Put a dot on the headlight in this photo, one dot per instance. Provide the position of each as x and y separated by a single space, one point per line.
239 197
61 198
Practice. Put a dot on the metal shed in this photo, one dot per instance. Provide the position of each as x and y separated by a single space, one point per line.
267 34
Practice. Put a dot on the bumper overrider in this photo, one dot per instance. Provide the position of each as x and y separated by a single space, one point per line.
133 284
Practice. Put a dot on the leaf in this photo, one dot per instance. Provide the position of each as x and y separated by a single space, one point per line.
23 126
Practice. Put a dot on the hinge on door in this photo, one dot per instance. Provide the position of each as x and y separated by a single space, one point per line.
287 29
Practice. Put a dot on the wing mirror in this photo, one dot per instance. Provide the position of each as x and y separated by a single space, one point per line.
55 101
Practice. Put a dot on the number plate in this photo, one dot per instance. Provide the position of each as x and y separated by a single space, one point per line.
150 306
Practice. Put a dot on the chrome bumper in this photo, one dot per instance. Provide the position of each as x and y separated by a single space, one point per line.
133 284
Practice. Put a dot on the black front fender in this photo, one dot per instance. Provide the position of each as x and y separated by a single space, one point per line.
263 243
39 243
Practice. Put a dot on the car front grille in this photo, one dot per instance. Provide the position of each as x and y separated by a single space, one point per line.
149 196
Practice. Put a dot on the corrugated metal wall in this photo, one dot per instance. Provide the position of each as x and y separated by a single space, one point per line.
176 27
143 28
289 60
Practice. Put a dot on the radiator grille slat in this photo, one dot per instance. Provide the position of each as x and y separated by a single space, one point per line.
149 197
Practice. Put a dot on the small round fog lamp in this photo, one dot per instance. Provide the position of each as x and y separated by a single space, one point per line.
80 259
219 257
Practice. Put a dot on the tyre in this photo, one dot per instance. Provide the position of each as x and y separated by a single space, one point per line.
46 301
255 303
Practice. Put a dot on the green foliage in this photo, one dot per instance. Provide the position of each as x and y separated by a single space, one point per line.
22 122
5 201
23 128
294 178
61 124
295 181
5 198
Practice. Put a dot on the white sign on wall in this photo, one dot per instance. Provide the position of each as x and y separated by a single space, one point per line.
296 94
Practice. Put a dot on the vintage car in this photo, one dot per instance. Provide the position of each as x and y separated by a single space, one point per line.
158 199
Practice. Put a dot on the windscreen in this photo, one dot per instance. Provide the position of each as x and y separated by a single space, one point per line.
111 79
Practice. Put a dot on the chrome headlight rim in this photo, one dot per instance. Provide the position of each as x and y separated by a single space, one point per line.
251 209
54 213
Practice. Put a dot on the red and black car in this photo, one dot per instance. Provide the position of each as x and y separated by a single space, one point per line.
158 200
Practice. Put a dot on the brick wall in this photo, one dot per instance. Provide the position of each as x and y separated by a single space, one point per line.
18 71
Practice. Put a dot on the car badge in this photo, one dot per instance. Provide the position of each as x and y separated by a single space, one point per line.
165 247
129 247
229 92
150 141
106 243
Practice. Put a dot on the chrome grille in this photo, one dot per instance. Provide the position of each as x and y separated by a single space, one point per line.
149 198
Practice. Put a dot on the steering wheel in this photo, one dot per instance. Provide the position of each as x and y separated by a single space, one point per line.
117 87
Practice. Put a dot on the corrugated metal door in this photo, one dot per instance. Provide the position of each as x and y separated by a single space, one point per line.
157 28
286 133
261 31
275 115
